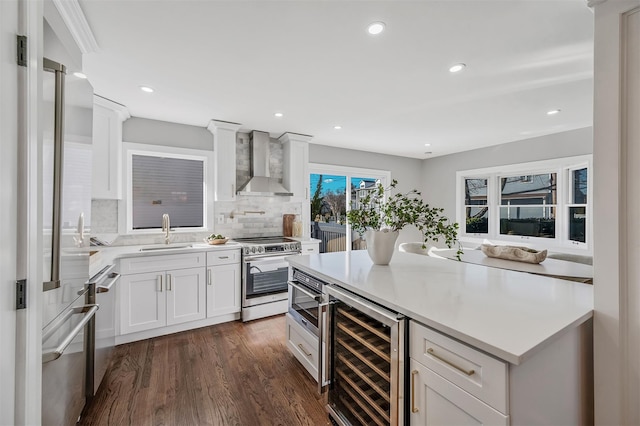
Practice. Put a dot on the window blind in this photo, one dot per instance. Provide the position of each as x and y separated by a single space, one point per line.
167 185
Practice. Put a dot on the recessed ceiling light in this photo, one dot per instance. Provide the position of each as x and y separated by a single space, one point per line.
553 112
80 75
427 144
337 127
279 114
146 89
457 67
376 28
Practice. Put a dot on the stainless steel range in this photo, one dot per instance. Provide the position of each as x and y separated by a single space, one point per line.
265 275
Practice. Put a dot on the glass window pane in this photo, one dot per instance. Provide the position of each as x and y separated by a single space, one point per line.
365 186
475 192
167 185
529 189
328 211
477 220
528 221
579 186
577 224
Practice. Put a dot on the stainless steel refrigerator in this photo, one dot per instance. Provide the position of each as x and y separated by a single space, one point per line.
69 303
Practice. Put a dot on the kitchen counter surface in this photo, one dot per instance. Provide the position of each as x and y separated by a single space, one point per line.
508 314
110 254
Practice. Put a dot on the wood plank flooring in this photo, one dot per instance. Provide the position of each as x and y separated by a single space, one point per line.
228 374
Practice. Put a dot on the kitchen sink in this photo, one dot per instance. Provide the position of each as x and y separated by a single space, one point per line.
167 247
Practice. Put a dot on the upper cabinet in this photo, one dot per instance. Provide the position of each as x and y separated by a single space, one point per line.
295 174
108 117
224 150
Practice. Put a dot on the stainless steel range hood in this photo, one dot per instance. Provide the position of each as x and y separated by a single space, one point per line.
261 182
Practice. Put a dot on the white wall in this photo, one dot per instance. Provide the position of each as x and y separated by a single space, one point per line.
438 176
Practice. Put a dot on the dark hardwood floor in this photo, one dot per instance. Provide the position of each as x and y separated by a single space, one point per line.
227 374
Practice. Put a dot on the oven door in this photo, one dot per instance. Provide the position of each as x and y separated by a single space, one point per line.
264 279
304 306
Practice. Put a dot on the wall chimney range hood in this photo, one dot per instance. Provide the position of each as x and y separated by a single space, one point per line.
261 182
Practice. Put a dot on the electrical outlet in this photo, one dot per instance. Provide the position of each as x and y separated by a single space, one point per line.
220 219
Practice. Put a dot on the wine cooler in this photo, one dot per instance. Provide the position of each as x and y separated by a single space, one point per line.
366 360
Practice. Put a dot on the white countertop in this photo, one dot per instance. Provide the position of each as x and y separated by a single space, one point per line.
548 267
109 254
505 313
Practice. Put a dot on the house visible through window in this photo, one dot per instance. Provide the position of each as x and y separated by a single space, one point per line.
544 203
333 190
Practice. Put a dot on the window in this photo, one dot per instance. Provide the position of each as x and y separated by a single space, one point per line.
544 203
167 180
333 189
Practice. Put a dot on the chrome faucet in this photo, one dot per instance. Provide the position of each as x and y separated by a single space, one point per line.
166 227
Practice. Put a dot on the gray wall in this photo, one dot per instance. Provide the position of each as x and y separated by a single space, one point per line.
439 174
155 132
405 170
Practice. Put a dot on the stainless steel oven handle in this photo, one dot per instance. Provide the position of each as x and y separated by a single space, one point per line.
323 355
89 311
302 290
106 286
268 256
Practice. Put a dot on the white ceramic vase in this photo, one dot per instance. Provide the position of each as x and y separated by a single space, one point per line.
380 245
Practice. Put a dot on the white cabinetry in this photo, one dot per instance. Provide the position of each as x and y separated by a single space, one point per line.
159 291
295 173
311 246
224 150
223 282
454 384
107 148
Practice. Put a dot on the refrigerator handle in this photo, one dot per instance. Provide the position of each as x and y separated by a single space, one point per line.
89 311
58 157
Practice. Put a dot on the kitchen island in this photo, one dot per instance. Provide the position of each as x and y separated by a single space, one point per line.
536 330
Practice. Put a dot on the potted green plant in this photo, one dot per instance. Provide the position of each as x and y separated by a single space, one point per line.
381 218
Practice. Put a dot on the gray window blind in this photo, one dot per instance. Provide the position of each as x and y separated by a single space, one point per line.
167 185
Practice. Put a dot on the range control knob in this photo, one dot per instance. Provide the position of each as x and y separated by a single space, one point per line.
246 250
253 249
260 249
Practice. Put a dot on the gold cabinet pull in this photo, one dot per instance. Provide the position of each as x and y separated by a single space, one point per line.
431 352
304 350
414 409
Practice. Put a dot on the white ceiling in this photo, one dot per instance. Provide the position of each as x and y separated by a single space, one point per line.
242 61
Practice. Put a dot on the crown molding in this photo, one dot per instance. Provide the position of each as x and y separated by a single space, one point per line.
297 137
74 19
593 3
121 110
215 125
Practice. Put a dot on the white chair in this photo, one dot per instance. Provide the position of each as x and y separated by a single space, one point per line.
415 248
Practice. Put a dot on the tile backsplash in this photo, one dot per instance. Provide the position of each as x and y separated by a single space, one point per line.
247 216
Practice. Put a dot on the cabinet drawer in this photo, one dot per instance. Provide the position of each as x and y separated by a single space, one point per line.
137 265
479 374
303 345
308 248
223 257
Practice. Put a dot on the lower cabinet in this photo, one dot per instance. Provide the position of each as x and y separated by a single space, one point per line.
157 299
223 282
437 401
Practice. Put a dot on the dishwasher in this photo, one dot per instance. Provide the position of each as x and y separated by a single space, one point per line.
366 360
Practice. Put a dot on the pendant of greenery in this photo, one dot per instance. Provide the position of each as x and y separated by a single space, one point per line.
400 210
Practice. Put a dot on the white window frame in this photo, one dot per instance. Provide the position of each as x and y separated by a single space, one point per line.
349 172
563 168
125 211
